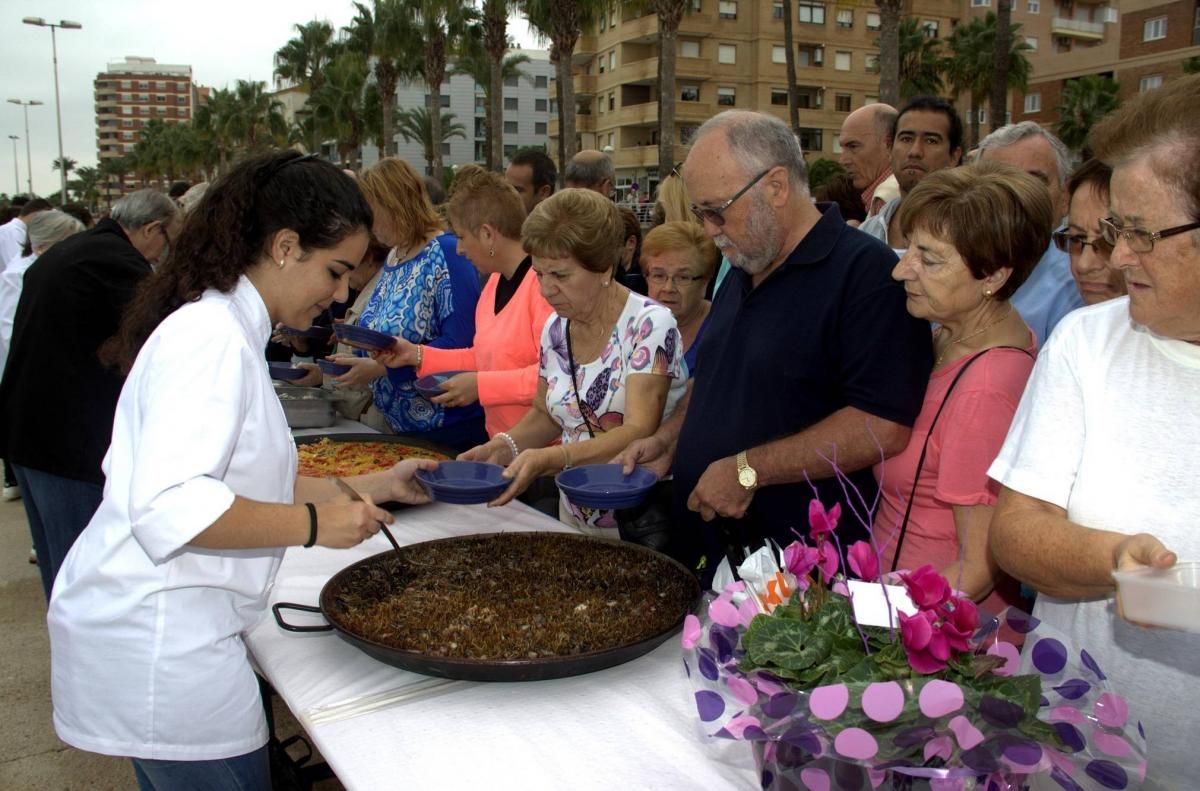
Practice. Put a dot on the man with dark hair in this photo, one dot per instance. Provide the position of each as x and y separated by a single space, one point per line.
591 170
56 398
532 174
14 233
177 189
926 136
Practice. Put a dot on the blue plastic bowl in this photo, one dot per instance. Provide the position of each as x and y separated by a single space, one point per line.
605 486
463 482
321 333
431 385
286 372
362 338
332 368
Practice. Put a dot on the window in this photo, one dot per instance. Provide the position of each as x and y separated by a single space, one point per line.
810 139
603 23
127 135
809 55
1150 83
871 63
1033 103
689 49
128 124
612 102
444 100
143 85
511 103
481 104
126 111
811 13
841 61
445 149
689 93
510 151
727 9
1033 7
981 3
1032 43
162 111
841 102
600 64
930 26
612 60
777 11
726 53
162 85
510 127
512 81
539 105
873 21
553 106
687 132
778 55
144 110
161 98
1155 29
845 17
481 127
694 5
540 81
181 100
143 97
126 84
836 146
727 97
539 128
779 97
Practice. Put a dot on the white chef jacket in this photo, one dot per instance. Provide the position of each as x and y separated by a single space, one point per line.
12 240
12 279
147 658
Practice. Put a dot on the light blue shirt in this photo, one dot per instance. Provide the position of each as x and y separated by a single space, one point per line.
1048 294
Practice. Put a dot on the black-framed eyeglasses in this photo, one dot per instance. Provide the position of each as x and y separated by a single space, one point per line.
716 215
677 280
1139 239
1073 244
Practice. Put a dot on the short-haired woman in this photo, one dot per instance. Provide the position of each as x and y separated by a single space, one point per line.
426 294
610 359
975 234
501 368
679 261
1095 278
202 497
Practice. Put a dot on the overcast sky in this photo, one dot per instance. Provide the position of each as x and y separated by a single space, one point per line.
222 40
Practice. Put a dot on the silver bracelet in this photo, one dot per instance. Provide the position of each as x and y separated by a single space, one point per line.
420 355
508 440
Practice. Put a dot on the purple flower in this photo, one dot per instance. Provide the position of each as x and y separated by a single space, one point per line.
800 560
828 560
821 522
926 587
863 561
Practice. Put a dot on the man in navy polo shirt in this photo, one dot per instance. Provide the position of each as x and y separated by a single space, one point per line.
809 358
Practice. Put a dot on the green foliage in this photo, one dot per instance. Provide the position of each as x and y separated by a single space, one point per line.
921 60
416 126
822 171
1192 65
1084 102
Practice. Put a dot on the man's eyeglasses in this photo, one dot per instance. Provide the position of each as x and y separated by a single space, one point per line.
679 281
1139 239
1073 244
716 215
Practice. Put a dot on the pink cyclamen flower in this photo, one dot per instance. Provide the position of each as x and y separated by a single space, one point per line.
926 587
863 561
925 646
828 561
960 623
822 522
800 559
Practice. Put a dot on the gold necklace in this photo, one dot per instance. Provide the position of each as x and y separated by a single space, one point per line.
974 334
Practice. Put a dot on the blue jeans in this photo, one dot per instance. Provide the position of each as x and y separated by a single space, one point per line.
58 510
249 772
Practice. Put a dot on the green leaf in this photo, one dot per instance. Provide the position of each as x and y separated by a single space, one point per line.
787 644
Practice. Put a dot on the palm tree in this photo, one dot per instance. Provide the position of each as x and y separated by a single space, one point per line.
416 126
789 66
86 185
670 14
495 44
476 62
256 121
1001 58
338 107
112 168
68 165
387 33
971 63
442 24
214 121
889 50
302 61
1084 102
921 60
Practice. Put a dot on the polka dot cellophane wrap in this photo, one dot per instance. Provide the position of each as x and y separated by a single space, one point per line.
922 732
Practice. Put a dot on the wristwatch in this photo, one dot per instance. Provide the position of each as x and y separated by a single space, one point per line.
747 475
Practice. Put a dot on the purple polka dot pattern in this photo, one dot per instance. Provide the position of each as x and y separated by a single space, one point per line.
815 779
1111 744
1049 656
856 743
1070 736
1000 713
781 705
1061 777
743 691
1091 665
707 665
803 738
1111 710
1073 689
1021 622
828 702
710 705
913 736
939 698
883 702
1021 751
980 759
1107 774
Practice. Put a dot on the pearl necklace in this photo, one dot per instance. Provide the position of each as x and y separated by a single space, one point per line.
974 334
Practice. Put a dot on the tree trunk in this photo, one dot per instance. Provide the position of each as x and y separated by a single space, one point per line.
668 38
386 82
974 120
434 73
889 51
789 43
495 41
558 97
1000 64
566 109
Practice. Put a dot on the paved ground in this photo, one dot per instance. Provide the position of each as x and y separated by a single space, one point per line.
31 756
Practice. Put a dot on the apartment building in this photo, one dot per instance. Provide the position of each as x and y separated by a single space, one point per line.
731 54
130 93
1139 43
526 114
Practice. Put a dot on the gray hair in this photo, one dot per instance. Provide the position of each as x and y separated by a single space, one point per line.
142 208
1014 133
189 199
590 171
49 227
758 141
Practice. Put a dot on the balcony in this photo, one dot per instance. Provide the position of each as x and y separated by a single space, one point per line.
585 84
1077 28
645 114
635 156
645 71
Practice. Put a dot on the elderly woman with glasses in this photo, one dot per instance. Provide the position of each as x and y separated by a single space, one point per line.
1100 466
1095 278
679 261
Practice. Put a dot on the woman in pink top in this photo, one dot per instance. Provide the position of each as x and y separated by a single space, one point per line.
501 368
975 235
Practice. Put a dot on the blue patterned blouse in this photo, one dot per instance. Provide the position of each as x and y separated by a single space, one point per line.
428 299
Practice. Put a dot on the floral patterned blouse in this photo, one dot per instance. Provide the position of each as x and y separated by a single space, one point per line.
644 340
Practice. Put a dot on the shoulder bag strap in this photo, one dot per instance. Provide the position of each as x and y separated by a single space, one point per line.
574 386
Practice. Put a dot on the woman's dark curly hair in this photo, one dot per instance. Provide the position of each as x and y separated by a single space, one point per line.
231 229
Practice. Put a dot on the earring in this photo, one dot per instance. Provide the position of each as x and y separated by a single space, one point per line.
605 284
281 263
987 292
492 253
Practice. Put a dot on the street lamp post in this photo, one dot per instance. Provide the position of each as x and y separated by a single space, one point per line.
65 25
16 167
26 104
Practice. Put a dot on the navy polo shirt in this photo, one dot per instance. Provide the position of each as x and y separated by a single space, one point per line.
826 330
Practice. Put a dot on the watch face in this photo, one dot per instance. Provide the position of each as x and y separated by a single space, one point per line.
747 478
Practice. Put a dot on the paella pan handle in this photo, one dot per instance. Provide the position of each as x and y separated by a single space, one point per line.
278 607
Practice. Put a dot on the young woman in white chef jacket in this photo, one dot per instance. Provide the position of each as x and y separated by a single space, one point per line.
202 496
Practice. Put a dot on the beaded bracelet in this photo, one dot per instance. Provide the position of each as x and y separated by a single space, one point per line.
512 443
420 354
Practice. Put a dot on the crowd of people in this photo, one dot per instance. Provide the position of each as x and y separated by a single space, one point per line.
994 365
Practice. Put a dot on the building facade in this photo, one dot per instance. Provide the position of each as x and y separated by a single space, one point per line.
132 92
526 114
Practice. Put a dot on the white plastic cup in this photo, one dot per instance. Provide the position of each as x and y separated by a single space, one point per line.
1162 597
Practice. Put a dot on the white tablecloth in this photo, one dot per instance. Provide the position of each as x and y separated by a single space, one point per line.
380 727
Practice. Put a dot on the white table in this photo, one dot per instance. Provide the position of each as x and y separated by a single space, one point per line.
380 727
